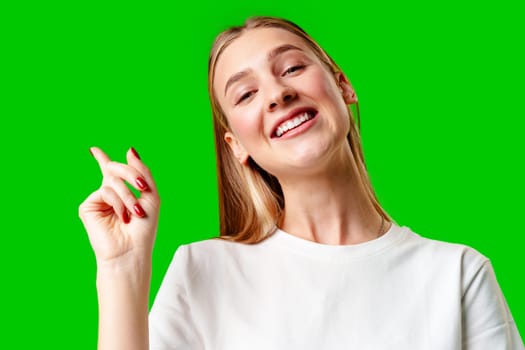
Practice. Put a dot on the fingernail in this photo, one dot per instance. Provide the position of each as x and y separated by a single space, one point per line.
135 153
141 183
90 151
138 209
125 216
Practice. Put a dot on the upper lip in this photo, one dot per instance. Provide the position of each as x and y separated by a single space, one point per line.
290 115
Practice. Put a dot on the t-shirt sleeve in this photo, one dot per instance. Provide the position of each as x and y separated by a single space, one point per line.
171 326
487 321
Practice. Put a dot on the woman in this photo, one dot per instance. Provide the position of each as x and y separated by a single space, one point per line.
307 258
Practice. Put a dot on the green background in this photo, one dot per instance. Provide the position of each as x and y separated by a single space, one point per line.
440 86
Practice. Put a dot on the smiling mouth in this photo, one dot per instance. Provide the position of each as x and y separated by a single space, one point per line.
293 123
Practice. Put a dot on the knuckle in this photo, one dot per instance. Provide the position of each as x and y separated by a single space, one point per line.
156 202
129 198
145 170
149 172
81 211
82 207
105 190
114 181
111 165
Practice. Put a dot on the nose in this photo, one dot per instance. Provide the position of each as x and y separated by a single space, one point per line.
281 95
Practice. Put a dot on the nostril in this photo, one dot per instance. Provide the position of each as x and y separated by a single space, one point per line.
285 97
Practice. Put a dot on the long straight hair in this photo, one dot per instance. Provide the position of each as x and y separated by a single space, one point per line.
251 201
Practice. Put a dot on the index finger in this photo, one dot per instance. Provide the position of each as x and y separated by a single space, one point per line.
101 158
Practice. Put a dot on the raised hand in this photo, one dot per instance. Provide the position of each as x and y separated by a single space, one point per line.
119 225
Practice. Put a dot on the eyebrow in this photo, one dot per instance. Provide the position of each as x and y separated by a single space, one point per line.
271 55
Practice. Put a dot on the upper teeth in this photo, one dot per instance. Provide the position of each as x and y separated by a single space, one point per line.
292 123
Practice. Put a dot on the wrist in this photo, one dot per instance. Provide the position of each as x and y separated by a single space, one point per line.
131 270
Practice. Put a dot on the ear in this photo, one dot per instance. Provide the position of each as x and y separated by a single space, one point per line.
236 147
346 88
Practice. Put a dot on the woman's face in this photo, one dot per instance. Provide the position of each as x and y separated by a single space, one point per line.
285 109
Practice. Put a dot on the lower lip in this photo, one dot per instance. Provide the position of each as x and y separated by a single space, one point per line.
300 129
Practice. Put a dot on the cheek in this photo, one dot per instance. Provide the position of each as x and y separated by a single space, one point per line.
322 85
245 124
237 118
328 91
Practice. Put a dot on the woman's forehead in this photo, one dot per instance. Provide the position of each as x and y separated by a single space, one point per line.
260 38
253 47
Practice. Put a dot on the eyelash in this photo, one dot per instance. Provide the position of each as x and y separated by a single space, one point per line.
244 96
289 70
294 68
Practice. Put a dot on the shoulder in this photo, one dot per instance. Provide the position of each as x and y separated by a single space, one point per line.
442 250
214 248
440 257
215 256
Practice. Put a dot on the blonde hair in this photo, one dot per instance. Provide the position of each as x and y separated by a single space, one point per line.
251 201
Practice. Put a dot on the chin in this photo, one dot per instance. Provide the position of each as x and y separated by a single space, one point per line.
311 159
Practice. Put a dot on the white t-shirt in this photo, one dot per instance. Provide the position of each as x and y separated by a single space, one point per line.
399 291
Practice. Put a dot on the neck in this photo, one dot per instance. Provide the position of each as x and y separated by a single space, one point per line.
331 207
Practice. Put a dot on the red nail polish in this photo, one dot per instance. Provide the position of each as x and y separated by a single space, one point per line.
135 153
138 209
141 183
125 216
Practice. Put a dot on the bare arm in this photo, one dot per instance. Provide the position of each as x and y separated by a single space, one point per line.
123 293
121 229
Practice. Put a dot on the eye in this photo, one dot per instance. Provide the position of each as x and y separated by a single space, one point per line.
244 96
293 69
